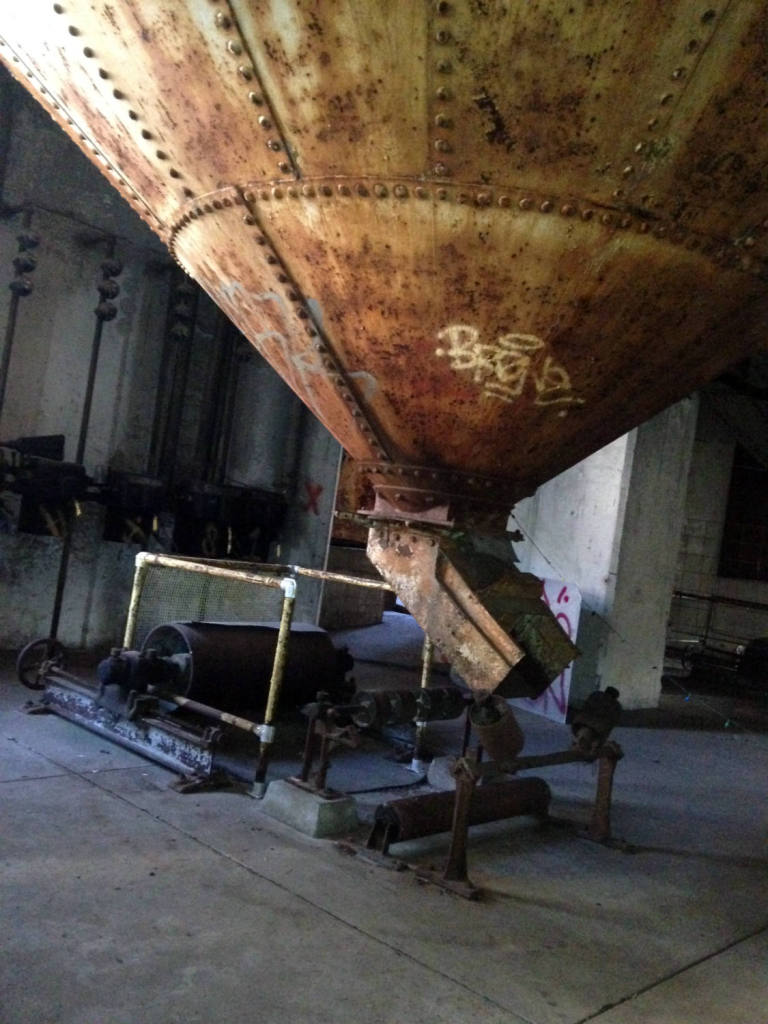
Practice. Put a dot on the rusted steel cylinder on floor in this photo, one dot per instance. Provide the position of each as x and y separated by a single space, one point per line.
417 816
497 728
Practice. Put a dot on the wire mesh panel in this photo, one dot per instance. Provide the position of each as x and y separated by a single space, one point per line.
174 594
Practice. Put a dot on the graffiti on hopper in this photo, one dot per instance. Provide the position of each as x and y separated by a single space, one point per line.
508 366
249 306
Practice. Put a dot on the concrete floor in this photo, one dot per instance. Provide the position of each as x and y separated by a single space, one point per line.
124 902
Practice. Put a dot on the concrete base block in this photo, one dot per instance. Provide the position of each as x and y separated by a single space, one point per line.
309 813
440 774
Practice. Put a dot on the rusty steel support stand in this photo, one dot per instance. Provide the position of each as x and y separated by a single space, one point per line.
61 577
599 827
288 586
324 763
419 762
467 732
309 750
454 877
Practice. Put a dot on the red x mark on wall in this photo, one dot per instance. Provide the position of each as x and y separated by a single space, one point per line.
313 496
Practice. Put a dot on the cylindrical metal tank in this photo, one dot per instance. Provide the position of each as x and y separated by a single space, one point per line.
479 240
228 664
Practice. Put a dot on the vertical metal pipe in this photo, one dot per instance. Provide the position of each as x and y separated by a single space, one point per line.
227 420
10 332
88 400
166 360
6 132
93 366
210 418
183 330
288 587
419 762
139 579
10 326
61 578
66 548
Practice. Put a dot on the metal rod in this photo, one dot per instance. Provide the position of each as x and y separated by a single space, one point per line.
275 683
175 407
223 568
418 762
337 577
139 579
208 429
519 764
309 750
222 440
164 367
10 333
61 578
207 711
541 760
91 382
324 763
281 652
208 569
467 732
88 400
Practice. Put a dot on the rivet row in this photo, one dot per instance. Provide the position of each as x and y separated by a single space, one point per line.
129 193
333 369
444 66
246 71
90 54
486 198
678 74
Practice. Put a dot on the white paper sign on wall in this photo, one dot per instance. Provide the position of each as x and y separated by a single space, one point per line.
564 600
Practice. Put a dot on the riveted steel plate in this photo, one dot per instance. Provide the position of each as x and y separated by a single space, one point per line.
493 236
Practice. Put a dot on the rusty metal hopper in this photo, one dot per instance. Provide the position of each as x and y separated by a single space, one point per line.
480 240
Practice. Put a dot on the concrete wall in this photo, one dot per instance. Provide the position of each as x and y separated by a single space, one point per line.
611 525
275 446
45 392
573 526
720 623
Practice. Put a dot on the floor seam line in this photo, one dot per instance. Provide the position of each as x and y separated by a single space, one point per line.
304 899
673 974
33 778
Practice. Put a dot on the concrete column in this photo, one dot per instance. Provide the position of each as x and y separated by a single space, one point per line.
633 657
611 525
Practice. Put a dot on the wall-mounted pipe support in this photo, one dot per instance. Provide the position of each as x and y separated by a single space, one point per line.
23 264
104 311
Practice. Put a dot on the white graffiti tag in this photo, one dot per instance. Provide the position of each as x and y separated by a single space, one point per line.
504 367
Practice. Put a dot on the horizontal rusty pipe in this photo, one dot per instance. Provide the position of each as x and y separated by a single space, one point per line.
426 815
207 711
